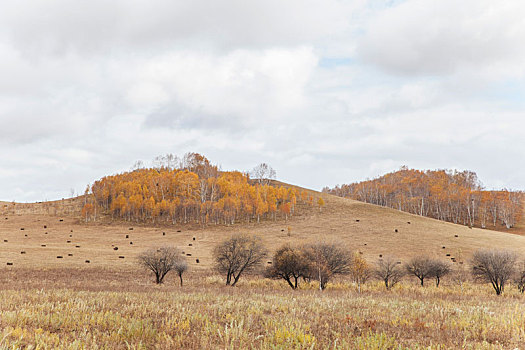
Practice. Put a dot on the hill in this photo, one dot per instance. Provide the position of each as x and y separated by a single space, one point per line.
33 238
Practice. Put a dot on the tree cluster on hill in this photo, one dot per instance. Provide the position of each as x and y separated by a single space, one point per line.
190 189
446 195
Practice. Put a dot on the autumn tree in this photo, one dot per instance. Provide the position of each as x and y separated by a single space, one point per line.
187 190
389 271
448 195
162 260
238 254
320 203
360 270
494 266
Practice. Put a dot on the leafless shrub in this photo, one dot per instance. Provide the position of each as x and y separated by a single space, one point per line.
238 254
421 267
180 267
161 261
290 264
327 260
493 266
389 271
519 277
439 269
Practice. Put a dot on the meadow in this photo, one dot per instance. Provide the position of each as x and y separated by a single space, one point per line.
51 297
92 309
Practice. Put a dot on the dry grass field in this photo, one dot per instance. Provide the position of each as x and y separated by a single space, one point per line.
362 227
66 303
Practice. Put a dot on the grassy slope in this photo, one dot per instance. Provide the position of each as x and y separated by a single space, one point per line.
373 235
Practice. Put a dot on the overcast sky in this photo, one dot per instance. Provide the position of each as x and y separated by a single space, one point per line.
325 91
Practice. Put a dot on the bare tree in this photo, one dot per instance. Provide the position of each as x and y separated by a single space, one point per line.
180 267
238 254
290 264
519 278
263 173
493 266
439 269
421 267
161 261
327 260
389 271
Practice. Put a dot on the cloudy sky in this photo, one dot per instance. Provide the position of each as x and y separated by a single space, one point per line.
325 91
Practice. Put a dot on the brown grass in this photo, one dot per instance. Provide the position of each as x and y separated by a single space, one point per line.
373 235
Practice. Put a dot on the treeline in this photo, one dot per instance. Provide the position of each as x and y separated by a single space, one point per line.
321 261
446 195
190 189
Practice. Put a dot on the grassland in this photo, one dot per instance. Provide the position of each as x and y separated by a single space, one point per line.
363 227
66 303
126 311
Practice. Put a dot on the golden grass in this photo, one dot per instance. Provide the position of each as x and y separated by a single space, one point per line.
50 303
258 314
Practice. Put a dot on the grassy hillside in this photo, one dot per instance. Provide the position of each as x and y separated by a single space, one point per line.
363 227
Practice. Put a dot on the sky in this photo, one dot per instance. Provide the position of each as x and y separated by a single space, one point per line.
326 92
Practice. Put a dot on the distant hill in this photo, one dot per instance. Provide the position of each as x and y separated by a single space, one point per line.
448 195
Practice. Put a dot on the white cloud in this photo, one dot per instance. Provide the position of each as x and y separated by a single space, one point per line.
434 37
325 91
